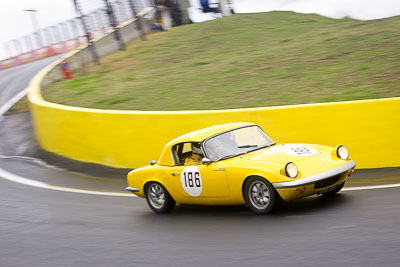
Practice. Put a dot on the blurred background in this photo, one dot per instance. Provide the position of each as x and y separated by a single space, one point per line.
335 50
45 27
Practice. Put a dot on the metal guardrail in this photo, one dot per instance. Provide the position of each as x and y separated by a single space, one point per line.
94 18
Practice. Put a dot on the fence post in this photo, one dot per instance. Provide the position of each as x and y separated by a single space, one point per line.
17 45
183 6
113 24
139 25
158 12
28 43
48 37
87 33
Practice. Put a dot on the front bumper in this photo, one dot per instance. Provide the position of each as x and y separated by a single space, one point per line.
132 189
315 178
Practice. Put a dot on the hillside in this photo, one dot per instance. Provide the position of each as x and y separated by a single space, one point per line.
246 60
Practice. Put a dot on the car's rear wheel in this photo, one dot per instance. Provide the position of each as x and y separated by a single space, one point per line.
158 198
334 191
260 196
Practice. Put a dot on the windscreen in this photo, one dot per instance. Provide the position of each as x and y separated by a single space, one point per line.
236 142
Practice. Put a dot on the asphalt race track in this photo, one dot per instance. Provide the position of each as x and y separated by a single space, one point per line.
40 226
14 80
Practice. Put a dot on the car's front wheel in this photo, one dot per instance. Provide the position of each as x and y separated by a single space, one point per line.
158 198
260 195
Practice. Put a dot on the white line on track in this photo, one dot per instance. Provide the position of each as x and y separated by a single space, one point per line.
369 187
12 102
22 180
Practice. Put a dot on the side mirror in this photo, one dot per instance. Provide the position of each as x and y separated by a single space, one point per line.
206 161
153 162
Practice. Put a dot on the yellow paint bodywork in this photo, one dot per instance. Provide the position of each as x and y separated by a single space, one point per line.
222 181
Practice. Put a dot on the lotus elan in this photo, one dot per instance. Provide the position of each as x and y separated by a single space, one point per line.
238 164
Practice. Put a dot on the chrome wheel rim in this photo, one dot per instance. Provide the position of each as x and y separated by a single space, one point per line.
259 194
156 196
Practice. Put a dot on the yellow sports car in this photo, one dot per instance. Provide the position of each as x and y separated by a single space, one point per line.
237 163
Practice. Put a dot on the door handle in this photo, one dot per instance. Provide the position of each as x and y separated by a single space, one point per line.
175 174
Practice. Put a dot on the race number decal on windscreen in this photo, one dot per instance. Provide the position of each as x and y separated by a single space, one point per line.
191 181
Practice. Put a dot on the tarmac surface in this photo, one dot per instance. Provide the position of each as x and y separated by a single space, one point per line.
41 227
14 80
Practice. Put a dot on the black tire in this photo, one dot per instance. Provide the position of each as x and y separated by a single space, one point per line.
158 198
334 191
260 196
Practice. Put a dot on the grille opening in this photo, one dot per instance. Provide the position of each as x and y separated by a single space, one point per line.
327 182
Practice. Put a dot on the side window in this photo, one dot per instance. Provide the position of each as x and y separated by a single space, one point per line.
187 148
186 154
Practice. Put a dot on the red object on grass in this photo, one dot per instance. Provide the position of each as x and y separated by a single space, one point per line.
65 69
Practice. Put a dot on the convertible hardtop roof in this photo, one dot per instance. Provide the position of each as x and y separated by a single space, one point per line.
198 136
202 134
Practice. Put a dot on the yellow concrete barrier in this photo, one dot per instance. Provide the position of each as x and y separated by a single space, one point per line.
370 129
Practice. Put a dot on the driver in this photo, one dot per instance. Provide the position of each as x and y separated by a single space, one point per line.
223 145
197 155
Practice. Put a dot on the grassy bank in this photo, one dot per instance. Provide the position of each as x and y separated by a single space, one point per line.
245 60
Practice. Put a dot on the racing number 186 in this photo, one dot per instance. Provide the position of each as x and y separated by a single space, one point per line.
188 177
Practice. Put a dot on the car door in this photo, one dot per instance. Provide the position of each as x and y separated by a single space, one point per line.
200 181
192 179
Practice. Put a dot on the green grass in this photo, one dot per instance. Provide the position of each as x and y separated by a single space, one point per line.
246 60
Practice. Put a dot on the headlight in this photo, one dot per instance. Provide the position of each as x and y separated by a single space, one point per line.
291 170
342 152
